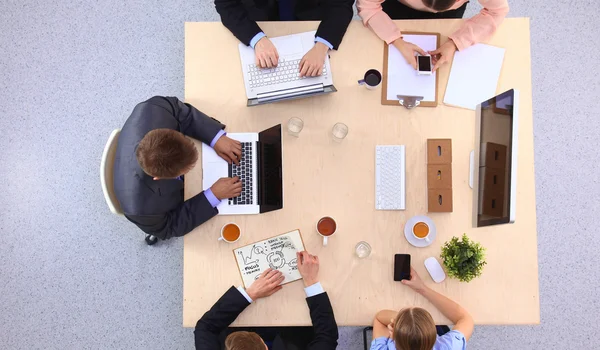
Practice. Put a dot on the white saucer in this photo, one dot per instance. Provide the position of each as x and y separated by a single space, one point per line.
408 231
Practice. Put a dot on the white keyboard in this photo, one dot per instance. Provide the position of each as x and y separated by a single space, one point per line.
285 71
390 178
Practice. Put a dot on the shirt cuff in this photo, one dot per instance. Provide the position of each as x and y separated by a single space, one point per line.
212 199
243 292
217 137
323 41
313 290
256 38
460 45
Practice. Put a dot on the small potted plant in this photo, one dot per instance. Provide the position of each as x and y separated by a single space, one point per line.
463 258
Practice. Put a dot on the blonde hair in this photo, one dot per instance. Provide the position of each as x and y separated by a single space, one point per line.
414 329
243 340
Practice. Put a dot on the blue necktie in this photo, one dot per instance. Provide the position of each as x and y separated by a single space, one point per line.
286 11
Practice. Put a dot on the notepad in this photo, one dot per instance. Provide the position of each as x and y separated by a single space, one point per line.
474 76
278 253
400 78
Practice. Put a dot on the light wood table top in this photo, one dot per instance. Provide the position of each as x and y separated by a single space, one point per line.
325 178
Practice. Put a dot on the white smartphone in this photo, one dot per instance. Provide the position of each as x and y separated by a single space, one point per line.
424 66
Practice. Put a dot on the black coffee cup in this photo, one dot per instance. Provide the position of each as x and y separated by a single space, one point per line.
371 79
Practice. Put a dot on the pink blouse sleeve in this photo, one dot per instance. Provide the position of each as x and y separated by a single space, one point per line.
373 16
481 27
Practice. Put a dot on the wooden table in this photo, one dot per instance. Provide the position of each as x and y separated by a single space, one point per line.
325 178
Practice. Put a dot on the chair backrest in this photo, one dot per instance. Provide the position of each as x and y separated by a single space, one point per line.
106 172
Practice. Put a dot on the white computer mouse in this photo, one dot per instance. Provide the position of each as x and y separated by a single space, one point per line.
435 269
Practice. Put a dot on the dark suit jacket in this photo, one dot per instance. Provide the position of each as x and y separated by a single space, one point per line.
157 207
232 303
240 16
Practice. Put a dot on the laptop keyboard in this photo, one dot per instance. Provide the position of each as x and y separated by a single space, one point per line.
285 71
244 171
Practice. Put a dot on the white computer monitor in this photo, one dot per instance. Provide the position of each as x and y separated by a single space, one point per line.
495 168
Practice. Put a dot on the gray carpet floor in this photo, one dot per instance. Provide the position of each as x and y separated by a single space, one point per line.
72 276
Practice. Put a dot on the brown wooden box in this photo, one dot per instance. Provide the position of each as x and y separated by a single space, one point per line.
434 196
493 204
439 151
439 176
494 180
494 156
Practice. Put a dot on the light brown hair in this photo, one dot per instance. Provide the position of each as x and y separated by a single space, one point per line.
166 153
414 330
439 5
243 340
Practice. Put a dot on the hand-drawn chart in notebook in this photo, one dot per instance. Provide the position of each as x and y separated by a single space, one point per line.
277 252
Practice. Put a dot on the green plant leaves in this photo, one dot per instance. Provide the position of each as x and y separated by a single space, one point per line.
463 259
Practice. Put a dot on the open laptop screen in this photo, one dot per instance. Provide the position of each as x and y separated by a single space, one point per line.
496 147
270 172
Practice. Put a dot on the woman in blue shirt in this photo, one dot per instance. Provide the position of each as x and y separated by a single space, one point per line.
414 329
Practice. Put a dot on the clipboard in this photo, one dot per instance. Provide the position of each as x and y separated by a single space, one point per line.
384 90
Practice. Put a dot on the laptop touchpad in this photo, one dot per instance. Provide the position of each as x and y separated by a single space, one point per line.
288 46
214 171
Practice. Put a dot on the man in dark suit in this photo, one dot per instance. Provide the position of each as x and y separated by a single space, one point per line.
153 155
212 333
240 16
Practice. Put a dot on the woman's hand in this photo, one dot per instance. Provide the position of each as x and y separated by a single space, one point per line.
443 55
415 282
408 51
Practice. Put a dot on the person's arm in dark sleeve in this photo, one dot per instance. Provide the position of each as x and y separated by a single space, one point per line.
191 121
235 18
336 18
219 317
180 221
323 320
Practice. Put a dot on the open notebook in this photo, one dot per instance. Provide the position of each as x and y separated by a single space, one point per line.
277 252
400 78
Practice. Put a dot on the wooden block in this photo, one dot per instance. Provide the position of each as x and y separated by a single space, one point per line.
494 180
439 200
439 176
493 155
492 204
439 151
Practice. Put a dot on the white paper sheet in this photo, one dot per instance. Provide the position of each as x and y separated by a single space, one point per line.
474 76
403 78
277 253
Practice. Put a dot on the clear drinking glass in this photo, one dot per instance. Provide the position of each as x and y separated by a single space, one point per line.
362 249
339 131
295 125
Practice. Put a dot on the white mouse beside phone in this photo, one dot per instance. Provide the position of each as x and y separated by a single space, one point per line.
435 269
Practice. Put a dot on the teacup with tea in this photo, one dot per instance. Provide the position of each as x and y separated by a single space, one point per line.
230 233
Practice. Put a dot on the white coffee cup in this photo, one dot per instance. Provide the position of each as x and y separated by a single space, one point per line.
222 238
326 236
426 238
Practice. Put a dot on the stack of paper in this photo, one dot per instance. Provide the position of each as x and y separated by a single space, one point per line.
474 76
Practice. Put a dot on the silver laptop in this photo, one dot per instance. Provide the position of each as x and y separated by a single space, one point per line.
284 82
260 172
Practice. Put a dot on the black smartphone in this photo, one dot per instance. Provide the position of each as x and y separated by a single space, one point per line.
401 267
424 64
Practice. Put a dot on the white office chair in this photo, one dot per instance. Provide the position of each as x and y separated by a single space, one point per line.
106 178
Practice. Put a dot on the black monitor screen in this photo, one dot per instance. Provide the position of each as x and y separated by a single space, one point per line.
495 154
270 172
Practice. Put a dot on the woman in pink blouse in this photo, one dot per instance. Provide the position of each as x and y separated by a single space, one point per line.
378 15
